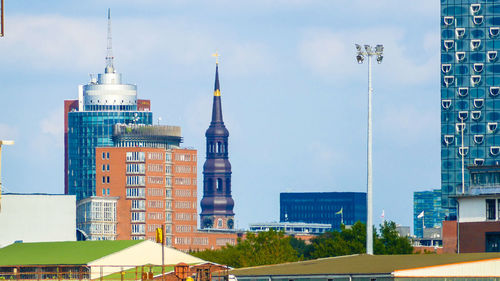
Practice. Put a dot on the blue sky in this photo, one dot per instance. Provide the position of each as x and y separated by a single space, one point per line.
294 98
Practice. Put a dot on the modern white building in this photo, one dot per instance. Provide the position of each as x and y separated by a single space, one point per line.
97 217
292 227
37 218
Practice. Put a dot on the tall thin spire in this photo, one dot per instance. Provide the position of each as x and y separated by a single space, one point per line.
217 106
109 53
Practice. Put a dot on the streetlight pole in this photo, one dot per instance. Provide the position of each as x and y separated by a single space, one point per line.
2 142
369 52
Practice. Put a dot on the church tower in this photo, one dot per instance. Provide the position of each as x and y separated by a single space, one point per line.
217 204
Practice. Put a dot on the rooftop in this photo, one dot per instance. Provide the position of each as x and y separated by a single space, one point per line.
147 130
361 264
81 252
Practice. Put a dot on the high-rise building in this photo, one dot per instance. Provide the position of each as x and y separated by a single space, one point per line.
470 93
334 208
89 122
427 211
217 204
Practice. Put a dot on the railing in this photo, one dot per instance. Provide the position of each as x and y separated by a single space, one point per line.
109 272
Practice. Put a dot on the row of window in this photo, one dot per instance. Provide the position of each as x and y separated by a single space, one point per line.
155 167
155 216
183 193
155 191
478 103
186 216
491 127
185 205
184 157
138 216
135 156
136 168
183 228
105 167
155 156
155 180
185 181
184 169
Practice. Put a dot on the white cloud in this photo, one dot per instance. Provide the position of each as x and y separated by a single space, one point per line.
332 54
7 132
53 125
52 42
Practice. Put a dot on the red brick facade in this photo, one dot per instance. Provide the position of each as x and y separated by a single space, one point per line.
473 235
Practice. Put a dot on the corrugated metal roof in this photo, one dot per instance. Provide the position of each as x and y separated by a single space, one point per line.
361 264
81 252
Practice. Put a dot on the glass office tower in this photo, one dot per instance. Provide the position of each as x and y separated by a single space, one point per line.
470 102
427 205
323 207
102 103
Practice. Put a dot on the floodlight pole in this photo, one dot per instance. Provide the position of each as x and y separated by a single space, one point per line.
2 142
369 52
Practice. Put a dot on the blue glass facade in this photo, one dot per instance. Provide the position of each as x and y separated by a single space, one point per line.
470 93
323 207
428 202
86 131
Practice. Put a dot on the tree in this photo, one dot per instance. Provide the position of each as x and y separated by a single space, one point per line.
268 247
392 243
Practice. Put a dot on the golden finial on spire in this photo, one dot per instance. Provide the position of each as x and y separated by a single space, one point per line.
216 55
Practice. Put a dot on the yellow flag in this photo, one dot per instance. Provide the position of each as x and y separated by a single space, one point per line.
159 235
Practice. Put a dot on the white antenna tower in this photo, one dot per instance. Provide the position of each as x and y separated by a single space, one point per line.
109 54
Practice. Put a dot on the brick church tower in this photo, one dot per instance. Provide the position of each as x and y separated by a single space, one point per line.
217 204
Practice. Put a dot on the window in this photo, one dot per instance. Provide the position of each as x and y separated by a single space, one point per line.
478 161
107 155
135 156
183 228
168 169
460 32
183 169
478 20
104 167
475 80
103 179
138 205
138 229
135 181
462 151
448 20
183 193
492 55
494 91
448 44
478 103
476 115
183 216
107 179
478 67
183 181
474 8
491 209
135 168
448 139
138 216
155 204
155 179
492 126
446 104
494 31
478 139
446 68
219 223
462 115
155 216
448 80
463 92
135 193
460 127
155 156
107 167
155 167
183 205
219 185
155 191
494 150
492 241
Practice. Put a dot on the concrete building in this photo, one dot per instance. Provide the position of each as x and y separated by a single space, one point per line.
96 218
37 218
292 228
331 208
478 226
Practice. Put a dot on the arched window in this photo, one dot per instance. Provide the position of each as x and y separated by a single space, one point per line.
209 186
219 147
219 185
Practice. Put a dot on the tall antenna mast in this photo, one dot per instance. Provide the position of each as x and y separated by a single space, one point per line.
109 53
